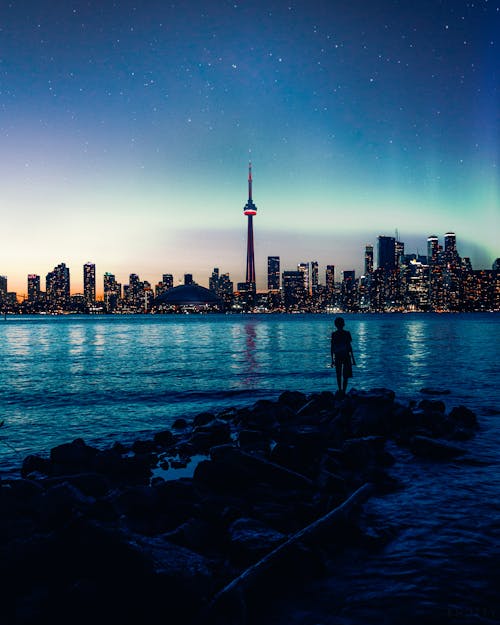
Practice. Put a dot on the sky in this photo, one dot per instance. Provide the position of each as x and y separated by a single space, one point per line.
126 129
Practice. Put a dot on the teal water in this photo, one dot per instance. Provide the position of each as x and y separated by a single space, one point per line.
104 377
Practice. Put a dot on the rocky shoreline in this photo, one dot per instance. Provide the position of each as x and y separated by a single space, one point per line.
267 496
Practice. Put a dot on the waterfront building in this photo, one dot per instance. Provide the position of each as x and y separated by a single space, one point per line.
386 257
314 276
112 292
3 288
368 260
250 210
57 287
304 269
294 292
166 283
188 279
432 249
348 291
273 273
330 284
33 287
89 283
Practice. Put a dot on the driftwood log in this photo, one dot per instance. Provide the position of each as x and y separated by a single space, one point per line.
229 602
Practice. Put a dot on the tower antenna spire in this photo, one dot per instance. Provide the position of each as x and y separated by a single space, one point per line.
250 180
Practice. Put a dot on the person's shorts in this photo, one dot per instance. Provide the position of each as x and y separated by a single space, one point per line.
344 363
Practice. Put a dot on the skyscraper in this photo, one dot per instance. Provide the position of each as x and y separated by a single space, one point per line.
3 287
330 282
89 282
33 287
273 273
112 292
57 286
304 268
432 249
368 260
250 210
386 253
314 275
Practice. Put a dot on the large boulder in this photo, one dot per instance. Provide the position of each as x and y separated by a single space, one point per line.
250 540
73 457
434 449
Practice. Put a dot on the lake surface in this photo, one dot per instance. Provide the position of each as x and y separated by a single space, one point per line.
110 378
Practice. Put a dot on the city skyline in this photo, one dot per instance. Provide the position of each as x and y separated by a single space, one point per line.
90 282
125 131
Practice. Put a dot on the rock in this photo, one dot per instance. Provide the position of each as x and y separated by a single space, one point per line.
59 503
464 417
381 396
72 457
203 418
165 438
430 405
370 419
143 447
359 453
90 484
433 449
262 470
250 540
35 464
215 432
180 424
250 438
434 391
293 399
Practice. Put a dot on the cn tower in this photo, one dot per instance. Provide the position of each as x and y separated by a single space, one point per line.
250 210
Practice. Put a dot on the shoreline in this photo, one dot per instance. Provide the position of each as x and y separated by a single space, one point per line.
177 518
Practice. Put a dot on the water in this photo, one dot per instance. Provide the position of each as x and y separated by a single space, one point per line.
110 378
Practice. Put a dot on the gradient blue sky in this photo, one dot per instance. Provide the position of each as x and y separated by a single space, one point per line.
126 129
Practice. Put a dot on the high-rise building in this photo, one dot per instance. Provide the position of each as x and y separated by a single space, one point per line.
399 251
314 276
304 269
432 249
166 283
330 283
188 278
33 287
3 288
112 292
213 281
386 253
450 244
368 259
293 289
89 283
57 286
250 210
348 290
273 273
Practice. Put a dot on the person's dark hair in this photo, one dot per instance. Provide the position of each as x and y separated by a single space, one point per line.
339 322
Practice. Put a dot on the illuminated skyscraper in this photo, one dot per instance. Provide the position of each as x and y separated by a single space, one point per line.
250 210
57 286
314 276
112 292
304 268
3 288
273 273
33 287
330 282
432 249
368 259
89 282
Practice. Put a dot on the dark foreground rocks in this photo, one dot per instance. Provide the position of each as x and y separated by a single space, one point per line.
272 492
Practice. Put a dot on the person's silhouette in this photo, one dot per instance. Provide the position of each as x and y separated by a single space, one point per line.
342 354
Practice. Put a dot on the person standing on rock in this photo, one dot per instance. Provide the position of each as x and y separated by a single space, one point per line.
342 354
